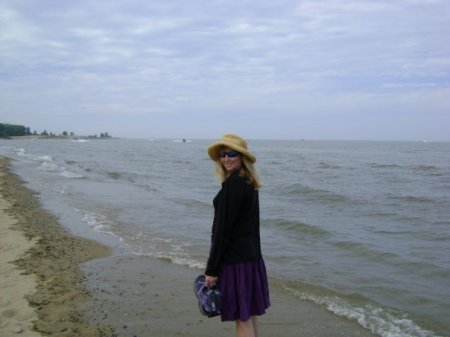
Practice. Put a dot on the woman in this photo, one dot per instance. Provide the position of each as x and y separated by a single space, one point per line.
235 262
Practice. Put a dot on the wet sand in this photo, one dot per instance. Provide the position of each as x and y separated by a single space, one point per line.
147 297
75 287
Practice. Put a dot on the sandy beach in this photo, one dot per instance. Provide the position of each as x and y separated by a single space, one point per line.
16 316
58 284
42 286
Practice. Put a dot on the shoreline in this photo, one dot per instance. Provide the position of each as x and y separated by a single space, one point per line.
39 137
84 289
49 257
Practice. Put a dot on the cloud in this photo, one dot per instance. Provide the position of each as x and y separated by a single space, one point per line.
140 59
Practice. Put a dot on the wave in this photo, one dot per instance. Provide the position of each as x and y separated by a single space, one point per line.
310 193
425 168
297 226
168 250
382 321
39 158
194 203
175 259
19 151
411 198
97 221
48 164
428 169
384 166
432 233
137 179
71 175
368 253
325 165
114 174
407 265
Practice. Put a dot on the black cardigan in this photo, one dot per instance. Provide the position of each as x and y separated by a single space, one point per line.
235 231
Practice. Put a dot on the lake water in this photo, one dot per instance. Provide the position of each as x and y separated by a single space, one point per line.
362 228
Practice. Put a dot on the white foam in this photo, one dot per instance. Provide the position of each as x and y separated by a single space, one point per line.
96 221
378 320
49 166
183 261
71 175
174 258
45 158
20 151
165 249
61 189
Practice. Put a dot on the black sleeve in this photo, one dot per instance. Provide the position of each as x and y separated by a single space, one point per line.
226 216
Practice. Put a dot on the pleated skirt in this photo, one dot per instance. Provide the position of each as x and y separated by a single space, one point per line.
245 290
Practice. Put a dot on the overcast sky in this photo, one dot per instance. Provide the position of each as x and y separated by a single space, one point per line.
199 68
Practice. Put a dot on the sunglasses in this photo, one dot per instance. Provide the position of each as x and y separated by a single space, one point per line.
230 154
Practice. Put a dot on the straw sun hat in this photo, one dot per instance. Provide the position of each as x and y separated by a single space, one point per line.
233 142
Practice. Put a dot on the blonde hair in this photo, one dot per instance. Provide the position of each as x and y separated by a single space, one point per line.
247 171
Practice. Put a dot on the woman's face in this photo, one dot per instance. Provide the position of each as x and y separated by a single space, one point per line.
229 161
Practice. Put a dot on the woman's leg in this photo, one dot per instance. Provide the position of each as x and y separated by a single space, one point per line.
245 328
255 324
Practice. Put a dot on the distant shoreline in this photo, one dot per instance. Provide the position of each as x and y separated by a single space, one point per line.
39 137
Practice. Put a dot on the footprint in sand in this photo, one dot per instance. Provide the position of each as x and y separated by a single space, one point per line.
9 313
16 328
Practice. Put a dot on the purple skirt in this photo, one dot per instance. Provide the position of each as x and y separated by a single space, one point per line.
245 290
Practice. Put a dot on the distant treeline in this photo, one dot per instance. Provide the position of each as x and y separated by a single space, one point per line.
11 130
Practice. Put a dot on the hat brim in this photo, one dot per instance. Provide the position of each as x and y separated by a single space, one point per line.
214 149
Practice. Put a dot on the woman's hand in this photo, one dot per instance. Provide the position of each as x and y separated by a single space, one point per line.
210 281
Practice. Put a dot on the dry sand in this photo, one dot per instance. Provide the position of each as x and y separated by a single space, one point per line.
41 285
16 316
